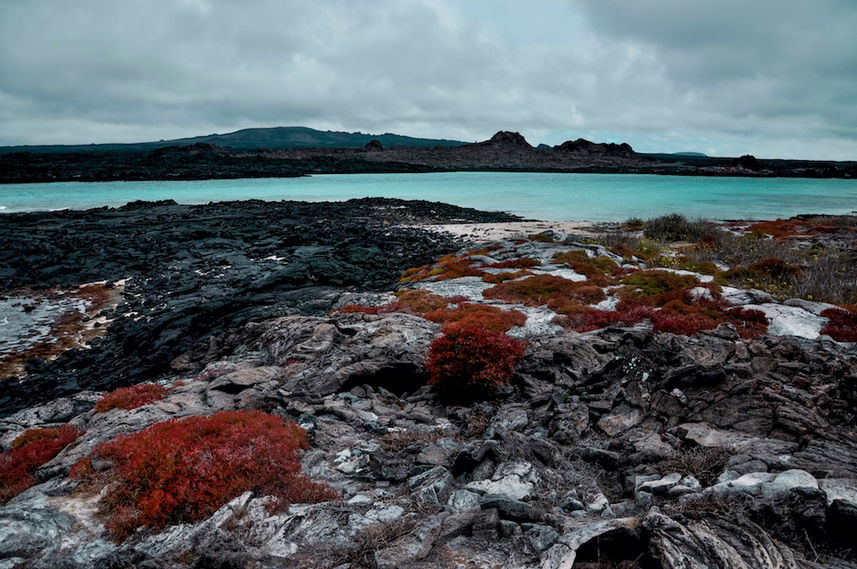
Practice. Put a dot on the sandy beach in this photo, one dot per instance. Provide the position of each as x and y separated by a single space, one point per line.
485 232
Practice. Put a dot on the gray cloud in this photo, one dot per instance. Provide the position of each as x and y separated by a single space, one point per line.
771 78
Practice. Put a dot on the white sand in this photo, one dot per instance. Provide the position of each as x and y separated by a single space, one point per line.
485 232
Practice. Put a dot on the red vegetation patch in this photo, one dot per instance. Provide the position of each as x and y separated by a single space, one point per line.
381 309
841 325
420 301
749 322
131 397
782 229
497 278
409 301
521 263
469 363
184 470
592 319
448 267
678 316
483 315
779 229
30 451
533 291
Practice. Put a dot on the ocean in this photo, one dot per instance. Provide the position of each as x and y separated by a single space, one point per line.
544 196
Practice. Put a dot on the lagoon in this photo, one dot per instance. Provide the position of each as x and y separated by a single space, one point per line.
545 196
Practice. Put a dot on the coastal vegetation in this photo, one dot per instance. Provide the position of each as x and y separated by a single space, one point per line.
130 397
29 451
183 470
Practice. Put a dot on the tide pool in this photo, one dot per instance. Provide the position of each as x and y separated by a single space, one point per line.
545 196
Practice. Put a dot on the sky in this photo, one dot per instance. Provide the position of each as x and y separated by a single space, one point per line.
772 78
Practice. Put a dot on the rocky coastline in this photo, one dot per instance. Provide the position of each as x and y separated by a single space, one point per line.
668 409
505 151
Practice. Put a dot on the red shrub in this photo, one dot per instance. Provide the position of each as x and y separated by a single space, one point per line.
130 397
482 315
30 451
841 325
686 324
469 363
183 470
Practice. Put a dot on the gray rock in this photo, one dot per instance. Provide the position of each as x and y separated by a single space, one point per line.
432 487
619 420
844 489
563 554
463 501
660 486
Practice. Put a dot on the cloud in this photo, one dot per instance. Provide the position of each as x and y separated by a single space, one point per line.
736 78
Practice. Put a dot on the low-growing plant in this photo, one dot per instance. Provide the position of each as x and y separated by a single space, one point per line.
533 291
841 324
496 278
131 397
447 267
543 237
593 319
779 229
829 276
365 309
470 363
519 263
30 451
703 463
182 470
685 263
420 301
771 275
482 315
633 224
654 284
676 227
590 267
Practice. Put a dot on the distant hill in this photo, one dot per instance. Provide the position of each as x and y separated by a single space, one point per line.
276 138
696 154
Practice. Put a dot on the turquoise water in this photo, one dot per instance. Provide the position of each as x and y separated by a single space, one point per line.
553 197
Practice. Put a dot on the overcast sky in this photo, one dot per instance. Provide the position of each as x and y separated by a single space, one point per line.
774 78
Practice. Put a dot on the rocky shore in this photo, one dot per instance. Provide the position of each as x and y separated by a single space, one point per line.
505 151
659 417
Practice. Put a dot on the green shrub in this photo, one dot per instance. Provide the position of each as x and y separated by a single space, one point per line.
676 227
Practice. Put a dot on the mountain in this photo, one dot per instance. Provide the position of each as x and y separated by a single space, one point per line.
274 138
